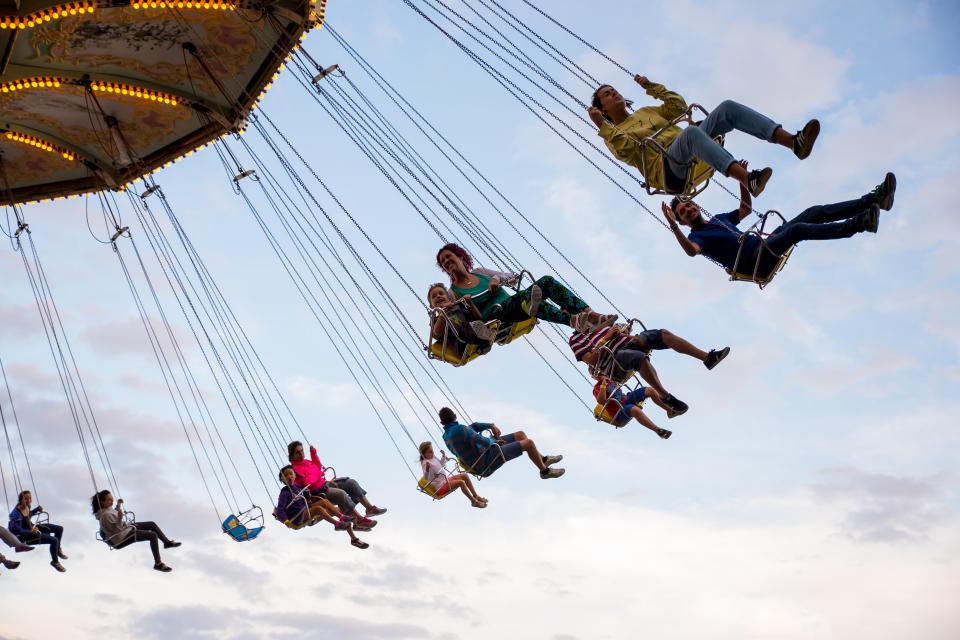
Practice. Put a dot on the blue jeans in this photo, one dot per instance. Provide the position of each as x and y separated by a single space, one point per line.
698 142
823 222
50 534
343 492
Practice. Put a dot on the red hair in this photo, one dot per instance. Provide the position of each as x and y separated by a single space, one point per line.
458 251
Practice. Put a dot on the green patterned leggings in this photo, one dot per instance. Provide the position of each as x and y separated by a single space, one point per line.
566 304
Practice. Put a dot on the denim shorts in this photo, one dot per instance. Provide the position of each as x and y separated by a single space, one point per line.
650 339
630 400
510 448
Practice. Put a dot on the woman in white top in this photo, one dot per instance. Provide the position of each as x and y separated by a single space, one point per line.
443 483
119 534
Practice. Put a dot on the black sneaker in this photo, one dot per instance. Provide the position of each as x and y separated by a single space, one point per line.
677 407
870 219
758 180
172 544
715 356
664 434
804 139
883 192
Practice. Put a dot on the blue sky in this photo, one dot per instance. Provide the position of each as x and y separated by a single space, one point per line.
809 492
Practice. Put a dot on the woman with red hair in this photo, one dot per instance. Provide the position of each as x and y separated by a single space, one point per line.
495 303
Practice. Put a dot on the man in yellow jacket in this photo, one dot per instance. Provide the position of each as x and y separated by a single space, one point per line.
623 133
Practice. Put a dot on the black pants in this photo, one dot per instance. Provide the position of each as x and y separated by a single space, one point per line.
145 531
822 222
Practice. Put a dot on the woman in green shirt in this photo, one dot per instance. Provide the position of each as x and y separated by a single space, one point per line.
496 303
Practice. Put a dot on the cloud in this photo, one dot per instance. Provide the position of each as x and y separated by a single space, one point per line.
202 623
883 507
338 395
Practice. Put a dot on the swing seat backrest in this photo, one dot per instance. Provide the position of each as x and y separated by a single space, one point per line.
698 175
754 275
450 356
608 413
430 490
507 333
765 279
239 531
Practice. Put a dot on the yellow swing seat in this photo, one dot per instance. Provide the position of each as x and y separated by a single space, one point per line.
698 175
425 487
505 334
738 274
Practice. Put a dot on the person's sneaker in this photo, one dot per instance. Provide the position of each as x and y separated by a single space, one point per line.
677 407
359 544
482 331
364 524
11 564
162 567
552 460
715 356
804 139
883 192
342 524
601 321
20 548
757 180
536 295
552 472
59 567
172 544
664 434
870 219
62 555
375 511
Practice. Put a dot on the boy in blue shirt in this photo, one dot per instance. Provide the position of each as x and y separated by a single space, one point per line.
484 455
719 237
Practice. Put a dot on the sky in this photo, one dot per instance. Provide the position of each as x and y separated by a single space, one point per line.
810 491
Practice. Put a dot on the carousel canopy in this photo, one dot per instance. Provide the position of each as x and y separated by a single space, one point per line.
95 94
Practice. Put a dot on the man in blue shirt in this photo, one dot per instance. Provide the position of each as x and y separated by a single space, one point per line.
484 455
719 238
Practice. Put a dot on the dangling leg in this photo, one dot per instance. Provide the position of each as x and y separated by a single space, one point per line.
637 414
796 231
694 143
469 483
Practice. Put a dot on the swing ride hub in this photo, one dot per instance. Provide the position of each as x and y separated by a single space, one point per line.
67 70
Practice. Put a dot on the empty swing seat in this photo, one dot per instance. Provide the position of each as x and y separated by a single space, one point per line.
245 526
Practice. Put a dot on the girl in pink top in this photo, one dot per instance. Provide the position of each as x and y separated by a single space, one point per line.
341 491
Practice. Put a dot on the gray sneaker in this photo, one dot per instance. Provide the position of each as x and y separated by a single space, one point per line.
546 474
482 331
552 460
536 295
